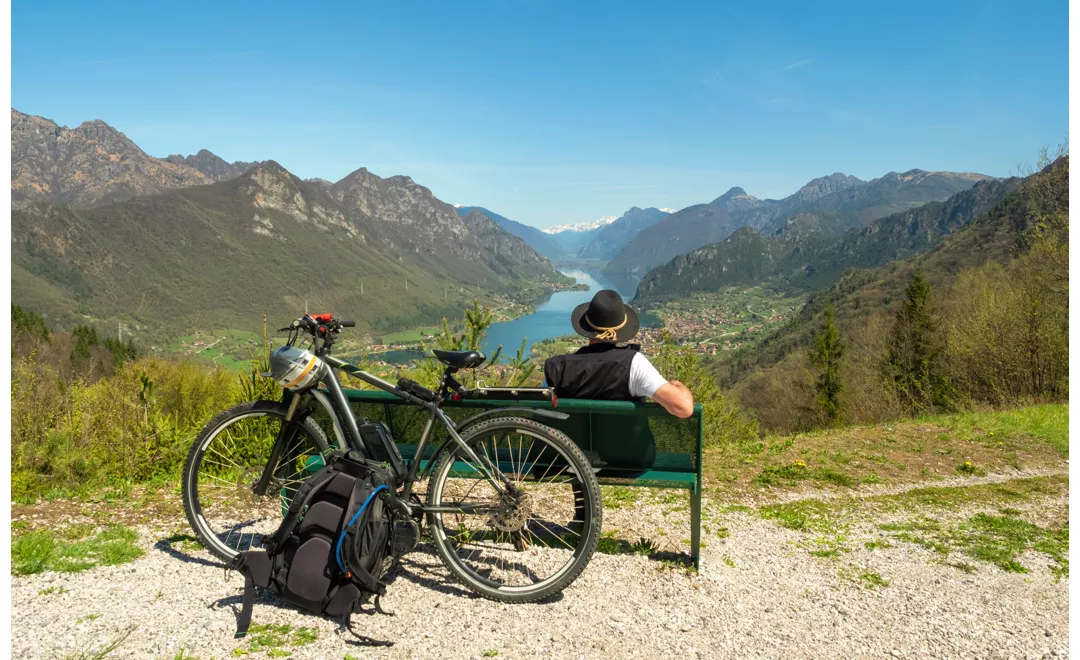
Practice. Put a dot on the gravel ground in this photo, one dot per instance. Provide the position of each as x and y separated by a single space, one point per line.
759 594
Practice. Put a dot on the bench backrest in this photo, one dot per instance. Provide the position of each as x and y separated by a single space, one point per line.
621 438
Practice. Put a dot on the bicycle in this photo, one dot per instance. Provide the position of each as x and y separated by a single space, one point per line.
513 506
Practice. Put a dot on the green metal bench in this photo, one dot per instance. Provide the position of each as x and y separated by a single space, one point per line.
628 443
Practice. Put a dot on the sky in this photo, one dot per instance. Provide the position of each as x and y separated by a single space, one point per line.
562 112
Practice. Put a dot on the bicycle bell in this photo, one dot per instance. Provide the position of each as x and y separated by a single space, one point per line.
295 368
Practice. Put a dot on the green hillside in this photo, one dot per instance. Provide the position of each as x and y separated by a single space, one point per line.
999 298
222 255
806 254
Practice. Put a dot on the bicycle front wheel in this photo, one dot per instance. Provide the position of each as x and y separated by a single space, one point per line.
524 545
226 461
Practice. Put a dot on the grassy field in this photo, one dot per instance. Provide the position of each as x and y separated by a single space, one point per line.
926 449
973 488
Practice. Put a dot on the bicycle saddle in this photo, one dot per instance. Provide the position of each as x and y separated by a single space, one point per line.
460 359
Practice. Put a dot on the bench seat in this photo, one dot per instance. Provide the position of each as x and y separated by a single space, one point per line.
628 443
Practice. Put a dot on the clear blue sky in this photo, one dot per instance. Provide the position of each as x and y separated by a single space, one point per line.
553 112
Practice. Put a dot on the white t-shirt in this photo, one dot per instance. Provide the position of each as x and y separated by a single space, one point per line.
644 378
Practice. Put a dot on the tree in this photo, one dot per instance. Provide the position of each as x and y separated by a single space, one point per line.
913 361
825 354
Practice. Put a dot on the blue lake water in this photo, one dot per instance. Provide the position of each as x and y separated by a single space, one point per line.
551 318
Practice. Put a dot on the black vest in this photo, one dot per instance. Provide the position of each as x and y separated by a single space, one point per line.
596 371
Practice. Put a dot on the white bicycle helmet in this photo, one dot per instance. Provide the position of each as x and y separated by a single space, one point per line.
295 368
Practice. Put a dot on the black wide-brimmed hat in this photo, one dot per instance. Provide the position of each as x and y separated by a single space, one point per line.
605 318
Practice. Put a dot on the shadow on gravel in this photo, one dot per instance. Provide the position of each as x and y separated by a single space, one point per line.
172 547
611 546
435 576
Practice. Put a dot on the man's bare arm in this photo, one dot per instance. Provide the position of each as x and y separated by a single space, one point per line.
675 398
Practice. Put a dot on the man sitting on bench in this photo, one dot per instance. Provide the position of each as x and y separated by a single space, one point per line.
610 367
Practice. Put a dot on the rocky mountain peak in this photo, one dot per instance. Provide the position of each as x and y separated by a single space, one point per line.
212 165
86 166
825 185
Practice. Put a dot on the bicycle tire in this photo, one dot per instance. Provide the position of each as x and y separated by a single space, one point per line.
589 537
189 479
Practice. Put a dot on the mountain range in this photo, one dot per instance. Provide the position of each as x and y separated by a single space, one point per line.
614 236
600 239
803 254
85 166
537 239
103 230
840 202
987 223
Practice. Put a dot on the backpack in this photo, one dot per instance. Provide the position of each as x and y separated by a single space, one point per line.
341 534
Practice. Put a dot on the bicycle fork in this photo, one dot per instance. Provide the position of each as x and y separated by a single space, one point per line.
284 439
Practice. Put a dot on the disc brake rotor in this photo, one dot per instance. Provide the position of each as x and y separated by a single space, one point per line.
516 514
245 485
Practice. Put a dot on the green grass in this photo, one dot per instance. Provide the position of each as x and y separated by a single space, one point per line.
802 516
873 580
104 650
997 539
72 549
410 336
618 497
792 473
276 639
52 590
1049 423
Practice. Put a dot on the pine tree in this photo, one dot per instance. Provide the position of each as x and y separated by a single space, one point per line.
913 362
826 354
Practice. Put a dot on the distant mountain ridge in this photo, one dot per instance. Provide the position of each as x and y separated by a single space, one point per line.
537 239
845 201
214 167
89 165
613 237
581 226
803 254
206 254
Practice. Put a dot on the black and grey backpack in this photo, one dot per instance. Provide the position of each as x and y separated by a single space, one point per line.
342 532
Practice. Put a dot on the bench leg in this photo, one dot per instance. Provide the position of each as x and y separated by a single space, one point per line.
695 526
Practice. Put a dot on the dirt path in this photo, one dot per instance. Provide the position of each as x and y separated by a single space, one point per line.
760 593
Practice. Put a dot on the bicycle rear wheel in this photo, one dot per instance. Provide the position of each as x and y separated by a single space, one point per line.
227 459
525 546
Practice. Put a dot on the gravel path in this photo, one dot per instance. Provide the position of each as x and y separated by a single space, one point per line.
759 594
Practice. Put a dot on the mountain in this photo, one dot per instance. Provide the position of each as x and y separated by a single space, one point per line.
384 251
614 236
841 201
89 165
805 253
511 253
993 218
572 241
214 167
681 232
581 226
537 239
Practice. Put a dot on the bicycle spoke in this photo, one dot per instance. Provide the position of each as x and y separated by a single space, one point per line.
524 540
232 461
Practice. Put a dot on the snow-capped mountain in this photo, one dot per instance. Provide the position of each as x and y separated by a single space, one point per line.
581 226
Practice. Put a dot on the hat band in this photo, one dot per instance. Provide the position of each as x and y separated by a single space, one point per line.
608 334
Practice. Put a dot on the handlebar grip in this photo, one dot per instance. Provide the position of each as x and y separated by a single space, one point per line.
416 389
347 324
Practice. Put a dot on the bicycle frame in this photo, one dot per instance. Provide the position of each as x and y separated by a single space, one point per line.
342 412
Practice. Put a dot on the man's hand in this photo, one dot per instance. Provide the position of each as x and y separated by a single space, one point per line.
676 398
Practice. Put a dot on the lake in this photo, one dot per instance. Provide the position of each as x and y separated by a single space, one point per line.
551 318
